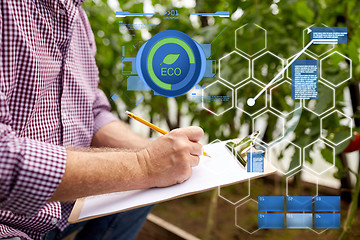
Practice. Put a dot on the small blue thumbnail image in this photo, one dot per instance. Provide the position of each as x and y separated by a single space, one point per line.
271 203
326 220
327 204
271 220
299 220
299 203
255 161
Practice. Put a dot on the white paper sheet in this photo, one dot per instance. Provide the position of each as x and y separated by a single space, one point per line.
221 169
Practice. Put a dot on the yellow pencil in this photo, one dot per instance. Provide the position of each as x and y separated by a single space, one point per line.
152 126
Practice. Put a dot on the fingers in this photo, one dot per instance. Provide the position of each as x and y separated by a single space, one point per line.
194 134
196 149
194 160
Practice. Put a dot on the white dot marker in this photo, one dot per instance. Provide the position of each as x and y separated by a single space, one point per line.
250 102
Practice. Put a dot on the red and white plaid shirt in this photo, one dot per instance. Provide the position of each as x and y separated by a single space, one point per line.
48 100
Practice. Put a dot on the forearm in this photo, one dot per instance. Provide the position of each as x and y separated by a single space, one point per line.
118 135
165 162
93 173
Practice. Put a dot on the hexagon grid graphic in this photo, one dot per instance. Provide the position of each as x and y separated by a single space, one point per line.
217 98
285 156
234 68
272 119
266 66
250 39
323 104
234 194
319 156
335 68
336 134
281 100
316 49
250 88
290 179
249 221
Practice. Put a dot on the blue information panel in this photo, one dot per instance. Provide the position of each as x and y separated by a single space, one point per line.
299 220
271 220
304 79
271 203
327 220
299 203
327 203
328 35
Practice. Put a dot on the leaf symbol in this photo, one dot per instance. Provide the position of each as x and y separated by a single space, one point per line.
170 59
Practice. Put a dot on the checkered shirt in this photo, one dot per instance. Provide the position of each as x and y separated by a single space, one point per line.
48 100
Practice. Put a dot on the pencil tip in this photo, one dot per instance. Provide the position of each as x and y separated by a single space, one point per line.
127 112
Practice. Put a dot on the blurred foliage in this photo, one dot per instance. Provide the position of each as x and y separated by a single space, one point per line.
285 22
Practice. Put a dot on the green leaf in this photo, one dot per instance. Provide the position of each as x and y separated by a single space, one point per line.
170 59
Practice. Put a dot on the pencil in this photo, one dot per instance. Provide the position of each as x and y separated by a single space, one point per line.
152 126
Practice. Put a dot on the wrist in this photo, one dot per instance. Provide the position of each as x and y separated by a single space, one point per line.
143 158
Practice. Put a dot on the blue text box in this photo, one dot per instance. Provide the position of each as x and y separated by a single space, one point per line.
327 204
271 203
299 220
327 220
299 203
304 79
328 35
271 220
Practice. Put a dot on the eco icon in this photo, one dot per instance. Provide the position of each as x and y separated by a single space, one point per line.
155 57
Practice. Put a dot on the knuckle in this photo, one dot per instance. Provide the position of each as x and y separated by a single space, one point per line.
171 139
181 146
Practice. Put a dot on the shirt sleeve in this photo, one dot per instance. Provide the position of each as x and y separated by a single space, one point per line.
101 109
30 171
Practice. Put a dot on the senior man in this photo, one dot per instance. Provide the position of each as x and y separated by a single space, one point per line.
51 113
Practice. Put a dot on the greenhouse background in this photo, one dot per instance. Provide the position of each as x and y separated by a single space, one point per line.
307 140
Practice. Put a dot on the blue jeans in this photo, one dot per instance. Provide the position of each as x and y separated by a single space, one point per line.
124 225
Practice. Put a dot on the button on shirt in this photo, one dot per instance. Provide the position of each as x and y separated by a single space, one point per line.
48 100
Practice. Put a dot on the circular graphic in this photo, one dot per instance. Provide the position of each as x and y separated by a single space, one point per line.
171 63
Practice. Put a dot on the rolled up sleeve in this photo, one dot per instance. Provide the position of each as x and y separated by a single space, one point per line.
101 109
30 171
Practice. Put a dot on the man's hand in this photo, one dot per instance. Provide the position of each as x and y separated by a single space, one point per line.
164 162
169 159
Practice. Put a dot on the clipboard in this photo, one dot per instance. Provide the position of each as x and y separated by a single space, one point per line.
222 169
